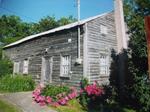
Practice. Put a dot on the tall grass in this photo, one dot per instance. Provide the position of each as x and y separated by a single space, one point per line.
16 83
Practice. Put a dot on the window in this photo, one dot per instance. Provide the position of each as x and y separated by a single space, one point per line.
103 64
16 67
25 66
103 29
65 65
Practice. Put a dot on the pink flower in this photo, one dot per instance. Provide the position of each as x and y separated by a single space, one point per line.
66 98
48 99
62 101
43 100
36 93
40 98
70 96
81 91
42 103
94 90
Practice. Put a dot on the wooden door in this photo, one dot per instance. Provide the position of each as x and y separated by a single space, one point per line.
47 66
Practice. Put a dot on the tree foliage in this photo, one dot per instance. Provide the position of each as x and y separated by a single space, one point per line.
12 29
49 22
137 87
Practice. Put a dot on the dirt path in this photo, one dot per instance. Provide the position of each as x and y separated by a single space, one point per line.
23 100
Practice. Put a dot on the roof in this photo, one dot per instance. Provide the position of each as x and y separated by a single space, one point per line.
54 30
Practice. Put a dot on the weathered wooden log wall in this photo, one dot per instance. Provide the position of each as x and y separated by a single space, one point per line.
58 45
98 43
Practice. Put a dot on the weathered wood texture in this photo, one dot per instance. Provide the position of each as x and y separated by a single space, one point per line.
98 43
93 43
58 45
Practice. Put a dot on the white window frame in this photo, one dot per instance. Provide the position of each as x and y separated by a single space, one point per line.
103 29
25 66
16 67
65 66
104 64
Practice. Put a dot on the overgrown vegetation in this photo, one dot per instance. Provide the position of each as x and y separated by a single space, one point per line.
16 83
136 89
53 91
5 65
54 95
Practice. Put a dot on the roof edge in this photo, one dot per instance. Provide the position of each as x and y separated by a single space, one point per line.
68 26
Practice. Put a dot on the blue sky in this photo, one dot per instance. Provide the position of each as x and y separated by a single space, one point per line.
34 10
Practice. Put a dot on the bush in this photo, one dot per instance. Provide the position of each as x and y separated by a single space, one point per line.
54 95
140 98
90 95
17 83
53 91
5 67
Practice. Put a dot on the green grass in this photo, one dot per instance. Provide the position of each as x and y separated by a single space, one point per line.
73 106
6 107
128 110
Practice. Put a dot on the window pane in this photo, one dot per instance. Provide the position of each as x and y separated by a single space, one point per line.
103 29
103 64
25 66
65 65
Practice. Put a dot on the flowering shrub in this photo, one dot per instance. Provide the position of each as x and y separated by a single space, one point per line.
91 94
94 90
57 98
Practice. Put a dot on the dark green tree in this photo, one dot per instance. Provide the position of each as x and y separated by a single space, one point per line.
136 83
12 29
48 23
136 89
66 20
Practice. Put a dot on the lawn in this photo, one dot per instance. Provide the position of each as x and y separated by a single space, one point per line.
6 107
75 106
72 106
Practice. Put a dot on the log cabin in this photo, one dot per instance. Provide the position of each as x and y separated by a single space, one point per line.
59 56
